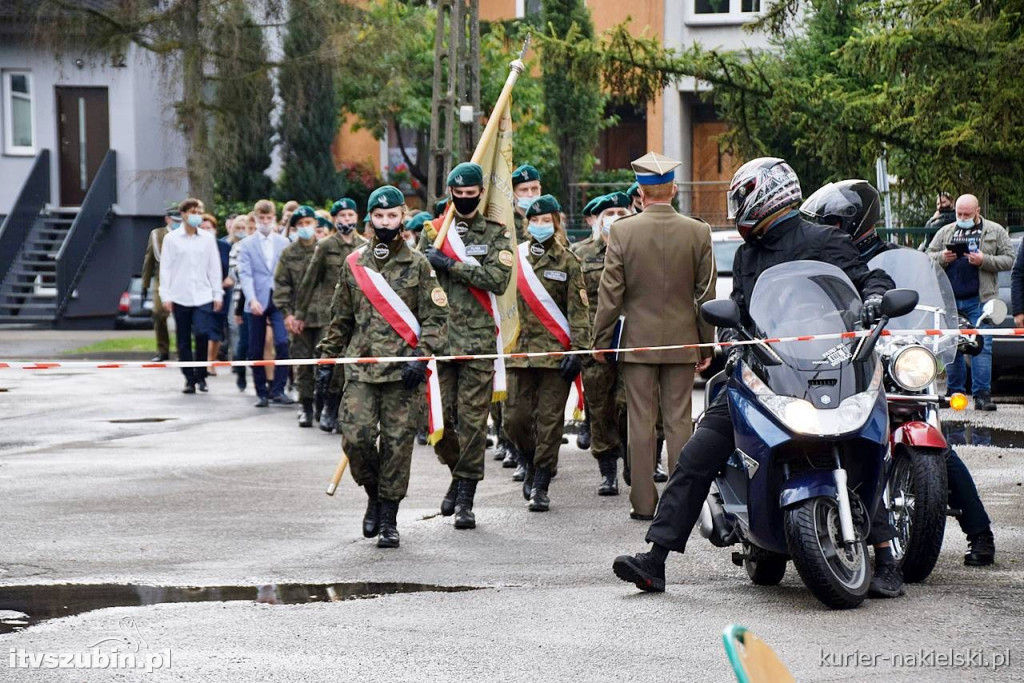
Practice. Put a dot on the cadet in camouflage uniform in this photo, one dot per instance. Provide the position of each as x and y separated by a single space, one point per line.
316 292
526 187
606 398
467 386
379 398
287 278
539 387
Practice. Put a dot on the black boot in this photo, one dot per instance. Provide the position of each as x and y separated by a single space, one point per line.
660 475
371 520
388 524
529 472
983 401
608 465
644 570
421 437
448 502
981 549
464 517
539 501
329 418
887 581
240 378
583 437
306 416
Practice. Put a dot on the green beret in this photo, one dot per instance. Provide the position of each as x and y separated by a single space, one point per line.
615 200
303 211
633 190
416 222
342 204
542 205
387 197
588 208
466 174
525 174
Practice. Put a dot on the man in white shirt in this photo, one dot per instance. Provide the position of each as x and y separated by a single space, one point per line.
191 289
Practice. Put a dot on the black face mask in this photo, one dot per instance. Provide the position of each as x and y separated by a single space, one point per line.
386 235
345 228
466 205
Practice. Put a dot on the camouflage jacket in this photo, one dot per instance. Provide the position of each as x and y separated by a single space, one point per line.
288 275
358 330
559 272
590 252
316 291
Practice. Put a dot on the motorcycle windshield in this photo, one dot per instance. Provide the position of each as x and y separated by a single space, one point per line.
802 298
936 306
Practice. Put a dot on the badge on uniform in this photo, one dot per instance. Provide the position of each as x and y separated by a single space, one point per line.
476 250
557 275
505 258
461 227
438 296
595 259
381 251
536 249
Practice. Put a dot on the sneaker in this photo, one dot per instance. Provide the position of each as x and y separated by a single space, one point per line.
983 401
981 549
282 400
643 570
887 582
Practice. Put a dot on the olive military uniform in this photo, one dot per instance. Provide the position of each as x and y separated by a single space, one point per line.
151 273
287 278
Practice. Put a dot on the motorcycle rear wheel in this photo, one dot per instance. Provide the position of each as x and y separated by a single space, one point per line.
838 576
917 492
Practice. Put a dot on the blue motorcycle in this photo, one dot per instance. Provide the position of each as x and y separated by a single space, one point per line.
811 426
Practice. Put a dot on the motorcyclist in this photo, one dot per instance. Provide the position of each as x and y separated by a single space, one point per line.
763 198
853 207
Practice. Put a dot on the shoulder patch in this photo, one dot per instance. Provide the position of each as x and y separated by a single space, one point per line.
438 296
505 258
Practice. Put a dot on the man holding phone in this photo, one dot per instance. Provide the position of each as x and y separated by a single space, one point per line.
973 250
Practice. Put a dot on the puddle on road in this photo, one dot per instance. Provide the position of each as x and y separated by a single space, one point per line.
24 606
969 435
139 420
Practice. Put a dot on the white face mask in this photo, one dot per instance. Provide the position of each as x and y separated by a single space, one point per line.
606 224
265 228
411 242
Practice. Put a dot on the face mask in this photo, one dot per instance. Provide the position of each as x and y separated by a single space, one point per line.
386 235
306 233
345 228
265 228
465 205
411 242
175 225
194 220
606 224
239 234
541 233
524 203
965 223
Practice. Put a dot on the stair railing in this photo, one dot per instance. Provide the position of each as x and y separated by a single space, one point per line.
34 195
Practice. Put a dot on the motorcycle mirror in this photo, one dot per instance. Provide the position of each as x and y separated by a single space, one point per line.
994 310
897 302
721 313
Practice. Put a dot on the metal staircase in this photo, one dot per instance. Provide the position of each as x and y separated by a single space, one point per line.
29 292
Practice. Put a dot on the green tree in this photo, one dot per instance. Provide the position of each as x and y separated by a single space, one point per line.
242 139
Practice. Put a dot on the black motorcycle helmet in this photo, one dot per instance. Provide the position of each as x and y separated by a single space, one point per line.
850 205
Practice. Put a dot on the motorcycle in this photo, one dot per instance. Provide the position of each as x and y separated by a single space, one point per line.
812 432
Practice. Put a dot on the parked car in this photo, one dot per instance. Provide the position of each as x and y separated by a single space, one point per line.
1007 352
724 243
132 311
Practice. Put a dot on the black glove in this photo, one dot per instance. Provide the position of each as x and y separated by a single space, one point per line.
871 312
570 367
439 259
734 356
413 374
323 378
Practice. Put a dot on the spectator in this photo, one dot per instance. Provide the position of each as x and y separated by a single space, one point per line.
286 216
243 226
973 250
944 212
191 289
1017 287
220 319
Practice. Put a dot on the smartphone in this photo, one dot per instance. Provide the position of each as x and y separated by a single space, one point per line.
958 249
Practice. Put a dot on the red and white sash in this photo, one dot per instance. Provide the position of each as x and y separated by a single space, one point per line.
391 307
454 247
547 312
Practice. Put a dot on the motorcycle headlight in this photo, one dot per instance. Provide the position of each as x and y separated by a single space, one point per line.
913 368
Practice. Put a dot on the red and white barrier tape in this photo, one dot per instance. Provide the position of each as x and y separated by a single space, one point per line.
117 365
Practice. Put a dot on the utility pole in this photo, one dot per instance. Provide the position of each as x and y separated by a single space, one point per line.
456 99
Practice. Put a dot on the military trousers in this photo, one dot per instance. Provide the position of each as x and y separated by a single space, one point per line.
384 411
466 390
535 413
160 315
606 407
303 345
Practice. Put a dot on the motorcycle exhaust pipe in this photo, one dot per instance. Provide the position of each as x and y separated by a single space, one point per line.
845 512
713 525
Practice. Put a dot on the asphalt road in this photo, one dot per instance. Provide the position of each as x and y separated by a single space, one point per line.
208 491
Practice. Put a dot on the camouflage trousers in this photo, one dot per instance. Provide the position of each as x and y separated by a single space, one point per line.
466 389
303 345
606 407
385 411
535 413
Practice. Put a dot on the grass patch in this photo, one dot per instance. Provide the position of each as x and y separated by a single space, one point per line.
145 344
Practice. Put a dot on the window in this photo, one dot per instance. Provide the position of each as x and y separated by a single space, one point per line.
19 129
527 8
724 11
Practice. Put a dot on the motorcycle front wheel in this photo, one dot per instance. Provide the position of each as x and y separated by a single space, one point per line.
916 494
839 576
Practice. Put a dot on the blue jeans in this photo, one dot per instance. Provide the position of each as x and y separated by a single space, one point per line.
963 496
257 340
189 322
981 365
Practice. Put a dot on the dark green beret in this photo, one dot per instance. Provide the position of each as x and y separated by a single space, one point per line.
615 200
633 190
439 207
342 204
542 205
324 223
303 211
466 174
588 208
525 174
416 222
387 197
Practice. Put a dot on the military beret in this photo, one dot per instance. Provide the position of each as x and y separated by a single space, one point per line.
302 212
440 206
387 197
416 222
542 205
633 190
615 200
343 204
588 208
524 174
466 174
324 223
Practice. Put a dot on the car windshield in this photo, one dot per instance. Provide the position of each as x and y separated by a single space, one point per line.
725 253
936 306
803 298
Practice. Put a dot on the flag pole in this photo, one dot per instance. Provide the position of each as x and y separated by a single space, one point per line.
516 67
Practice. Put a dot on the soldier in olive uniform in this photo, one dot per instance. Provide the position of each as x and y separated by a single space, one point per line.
287 278
467 386
539 387
151 274
316 292
379 398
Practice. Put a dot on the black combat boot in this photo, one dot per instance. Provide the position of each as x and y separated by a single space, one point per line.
464 517
887 581
329 418
644 570
983 401
539 501
583 437
529 472
388 524
660 475
371 520
608 464
306 415
448 502
981 549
